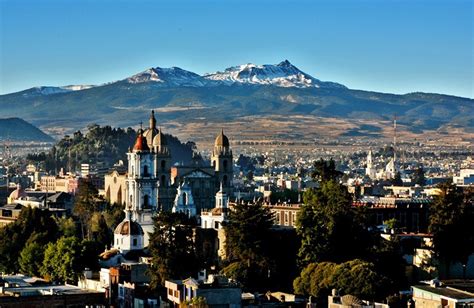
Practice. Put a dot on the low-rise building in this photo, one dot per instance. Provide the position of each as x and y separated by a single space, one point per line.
216 291
452 294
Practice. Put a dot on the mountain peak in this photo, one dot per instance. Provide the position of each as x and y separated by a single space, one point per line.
283 74
173 76
285 63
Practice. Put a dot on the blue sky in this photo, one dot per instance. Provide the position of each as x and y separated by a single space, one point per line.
395 46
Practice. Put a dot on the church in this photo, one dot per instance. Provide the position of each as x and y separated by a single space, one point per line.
153 184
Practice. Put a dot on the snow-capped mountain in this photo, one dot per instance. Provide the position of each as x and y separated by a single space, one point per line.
173 76
283 74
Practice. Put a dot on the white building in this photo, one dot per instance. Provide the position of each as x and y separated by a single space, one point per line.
184 201
214 218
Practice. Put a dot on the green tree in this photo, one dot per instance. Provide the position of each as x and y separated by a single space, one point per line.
355 277
31 259
113 215
85 204
172 248
418 177
329 227
63 260
32 225
101 233
451 217
247 235
325 171
66 226
315 279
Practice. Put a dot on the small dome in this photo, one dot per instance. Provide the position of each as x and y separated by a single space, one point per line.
221 140
149 135
141 144
128 227
159 139
18 193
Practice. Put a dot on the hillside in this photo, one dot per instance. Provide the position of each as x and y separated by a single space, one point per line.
16 129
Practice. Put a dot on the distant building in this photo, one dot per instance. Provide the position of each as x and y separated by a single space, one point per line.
466 177
22 291
115 187
217 292
411 213
284 214
452 294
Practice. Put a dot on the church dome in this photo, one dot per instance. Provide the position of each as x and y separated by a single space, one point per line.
221 140
159 139
140 143
128 227
149 134
18 193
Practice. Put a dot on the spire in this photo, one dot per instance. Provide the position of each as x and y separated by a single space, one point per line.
152 120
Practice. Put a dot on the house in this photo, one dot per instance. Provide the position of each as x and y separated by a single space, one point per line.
217 291
451 294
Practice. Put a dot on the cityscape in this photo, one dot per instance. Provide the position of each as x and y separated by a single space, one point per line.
201 182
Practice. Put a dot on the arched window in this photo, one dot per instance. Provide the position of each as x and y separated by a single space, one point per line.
163 165
145 171
214 164
163 181
131 200
185 197
224 180
224 163
146 201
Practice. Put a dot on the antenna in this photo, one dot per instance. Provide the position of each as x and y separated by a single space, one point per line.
394 136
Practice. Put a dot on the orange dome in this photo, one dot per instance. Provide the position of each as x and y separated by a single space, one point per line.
141 143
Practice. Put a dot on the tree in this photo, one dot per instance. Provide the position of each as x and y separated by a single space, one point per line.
355 277
66 226
63 260
85 204
32 225
315 279
418 177
329 227
451 217
247 235
31 259
172 248
397 180
101 233
325 171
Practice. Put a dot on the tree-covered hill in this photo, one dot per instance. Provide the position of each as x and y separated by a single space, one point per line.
102 146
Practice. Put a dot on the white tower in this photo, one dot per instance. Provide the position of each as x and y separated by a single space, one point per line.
222 200
221 159
370 170
141 184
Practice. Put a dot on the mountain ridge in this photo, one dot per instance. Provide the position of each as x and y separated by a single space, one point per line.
182 96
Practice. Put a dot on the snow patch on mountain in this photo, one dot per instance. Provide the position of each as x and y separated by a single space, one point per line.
48 90
173 76
283 74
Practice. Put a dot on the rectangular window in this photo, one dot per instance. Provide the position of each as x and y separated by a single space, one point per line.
134 242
